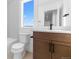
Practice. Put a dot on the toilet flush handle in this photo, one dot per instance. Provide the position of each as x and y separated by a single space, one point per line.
31 36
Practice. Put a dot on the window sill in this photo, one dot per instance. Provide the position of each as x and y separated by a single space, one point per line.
25 27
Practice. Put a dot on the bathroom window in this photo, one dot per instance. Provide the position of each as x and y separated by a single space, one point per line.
27 13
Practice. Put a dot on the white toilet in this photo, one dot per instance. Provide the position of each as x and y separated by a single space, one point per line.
18 49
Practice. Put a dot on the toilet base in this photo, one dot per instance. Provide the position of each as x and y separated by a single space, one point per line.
17 56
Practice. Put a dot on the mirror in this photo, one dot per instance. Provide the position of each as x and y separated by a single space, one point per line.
53 17
50 18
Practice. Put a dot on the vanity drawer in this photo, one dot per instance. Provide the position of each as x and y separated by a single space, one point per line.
41 35
63 37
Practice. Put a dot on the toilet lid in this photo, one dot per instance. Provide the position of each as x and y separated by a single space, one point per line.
18 45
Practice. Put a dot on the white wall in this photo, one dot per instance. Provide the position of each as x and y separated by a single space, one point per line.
44 5
67 9
13 16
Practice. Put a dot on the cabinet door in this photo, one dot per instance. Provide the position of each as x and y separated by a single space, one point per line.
61 52
42 49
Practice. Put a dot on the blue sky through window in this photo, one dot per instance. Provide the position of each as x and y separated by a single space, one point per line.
28 14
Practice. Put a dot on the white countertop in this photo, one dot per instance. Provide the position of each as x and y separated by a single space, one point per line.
55 31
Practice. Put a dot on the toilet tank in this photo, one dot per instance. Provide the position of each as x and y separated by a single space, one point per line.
24 38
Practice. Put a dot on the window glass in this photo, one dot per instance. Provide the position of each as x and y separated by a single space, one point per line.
28 13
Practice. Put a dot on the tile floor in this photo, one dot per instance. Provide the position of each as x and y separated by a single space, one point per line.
28 55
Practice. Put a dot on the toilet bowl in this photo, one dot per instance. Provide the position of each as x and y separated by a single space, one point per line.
18 49
10 42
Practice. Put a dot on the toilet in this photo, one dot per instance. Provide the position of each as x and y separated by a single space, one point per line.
18 49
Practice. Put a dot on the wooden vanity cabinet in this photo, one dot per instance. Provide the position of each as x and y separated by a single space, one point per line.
51 45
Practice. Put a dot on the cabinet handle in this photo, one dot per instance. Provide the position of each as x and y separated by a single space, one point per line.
50 45
52 48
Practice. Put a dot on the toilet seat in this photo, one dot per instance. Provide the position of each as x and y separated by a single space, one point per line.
17 47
